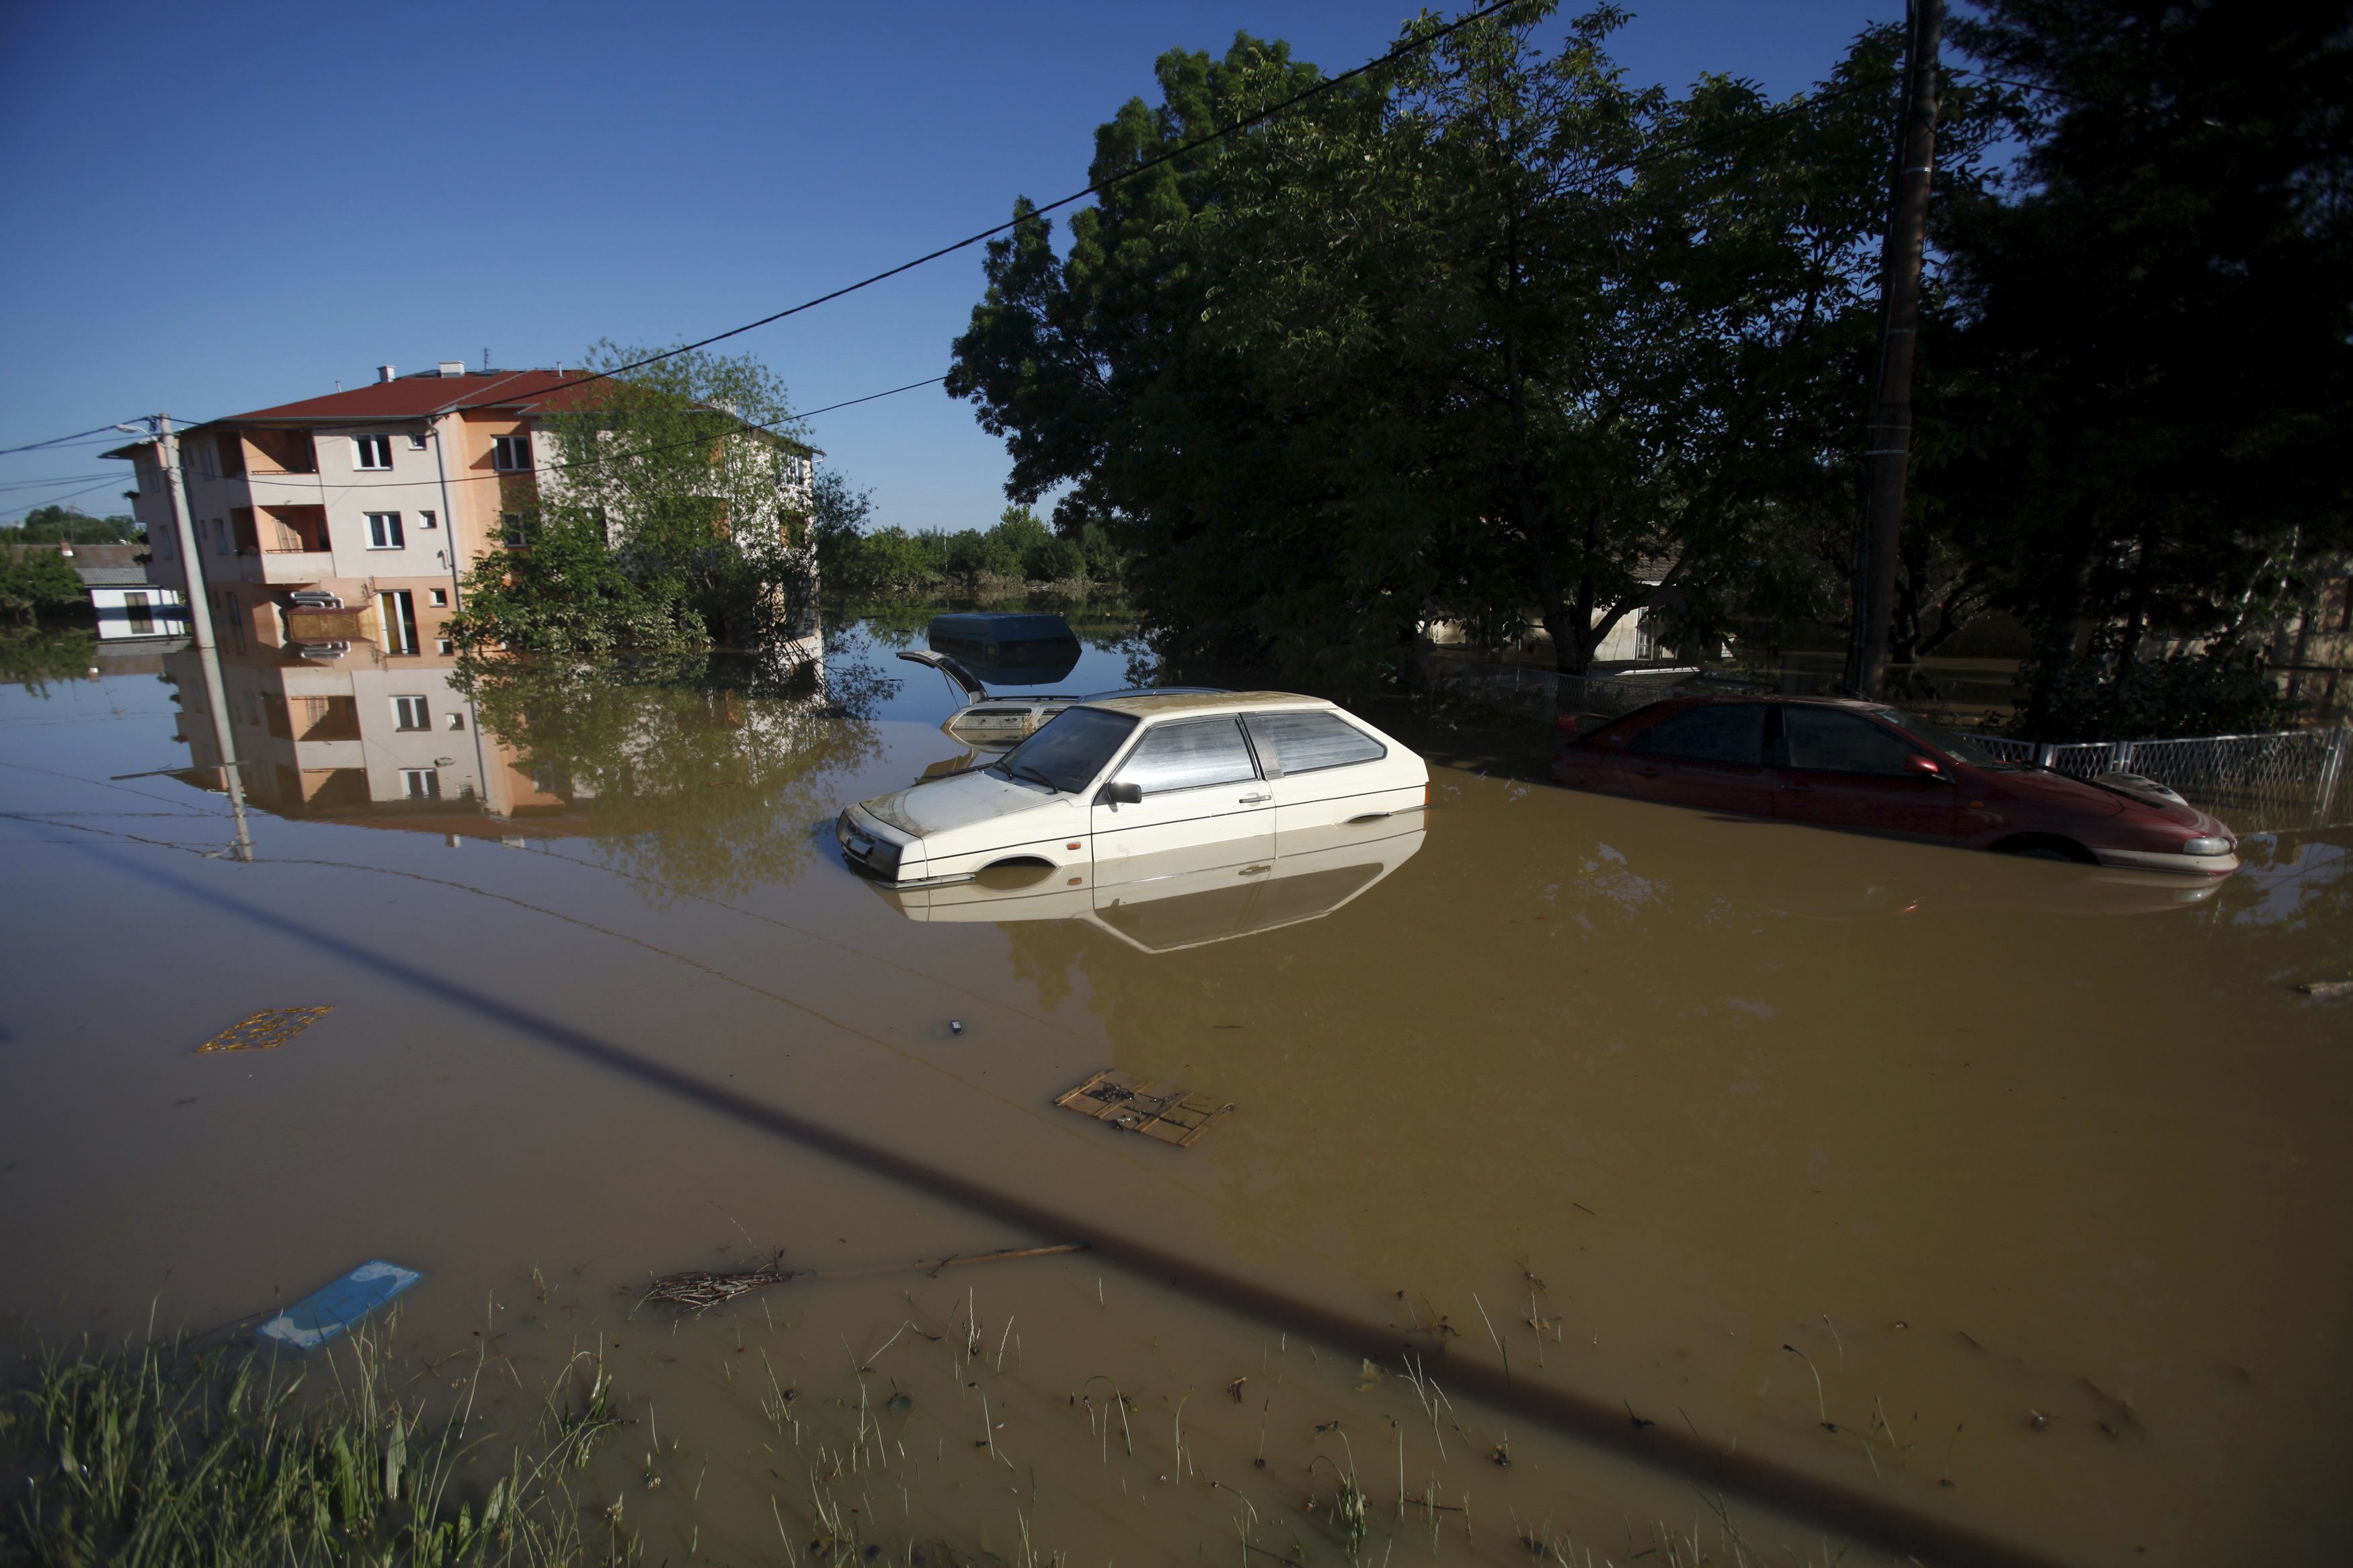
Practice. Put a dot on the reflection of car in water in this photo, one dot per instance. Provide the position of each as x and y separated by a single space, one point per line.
1007 721
1747 864
1182 897
1863 766
1115 778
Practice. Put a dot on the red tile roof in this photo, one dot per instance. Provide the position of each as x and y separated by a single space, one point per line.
414 397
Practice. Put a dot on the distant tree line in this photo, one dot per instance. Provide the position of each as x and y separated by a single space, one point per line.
1494 332
70 525
856 560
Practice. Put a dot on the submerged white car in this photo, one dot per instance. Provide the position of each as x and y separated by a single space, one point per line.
1121 781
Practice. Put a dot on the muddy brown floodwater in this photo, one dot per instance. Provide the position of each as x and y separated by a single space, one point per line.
1603 1178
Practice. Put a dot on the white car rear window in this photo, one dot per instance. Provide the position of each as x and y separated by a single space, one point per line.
1193 754
1302 743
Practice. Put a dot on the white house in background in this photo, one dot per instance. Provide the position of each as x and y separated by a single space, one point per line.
127 603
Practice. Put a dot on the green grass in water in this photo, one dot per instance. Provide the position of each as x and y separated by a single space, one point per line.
165 1454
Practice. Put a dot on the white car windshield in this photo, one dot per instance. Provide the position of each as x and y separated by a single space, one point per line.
1071 747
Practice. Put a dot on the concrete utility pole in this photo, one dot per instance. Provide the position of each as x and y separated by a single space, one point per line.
200 630
1887 443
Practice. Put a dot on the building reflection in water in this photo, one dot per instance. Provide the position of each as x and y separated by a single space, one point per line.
699 772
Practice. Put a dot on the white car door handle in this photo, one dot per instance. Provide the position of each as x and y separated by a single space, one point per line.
1256 799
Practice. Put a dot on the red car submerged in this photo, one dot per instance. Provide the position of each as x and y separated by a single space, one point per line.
1870 768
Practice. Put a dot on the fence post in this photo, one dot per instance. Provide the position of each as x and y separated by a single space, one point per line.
2044 752
2331 769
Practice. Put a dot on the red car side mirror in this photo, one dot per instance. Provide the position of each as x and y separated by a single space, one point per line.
1926 768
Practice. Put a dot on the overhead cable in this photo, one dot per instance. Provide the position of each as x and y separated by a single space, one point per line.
1096 188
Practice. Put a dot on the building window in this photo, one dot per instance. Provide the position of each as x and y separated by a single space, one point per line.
410 713
445 645
220 536
420 783
437 597
227 621
510 454
399 616
384 530
141 621
454 720
427 519
417 441
510 525
372 451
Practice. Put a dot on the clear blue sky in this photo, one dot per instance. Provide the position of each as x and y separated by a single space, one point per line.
217 209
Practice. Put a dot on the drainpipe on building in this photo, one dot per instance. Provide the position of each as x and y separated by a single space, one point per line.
200 630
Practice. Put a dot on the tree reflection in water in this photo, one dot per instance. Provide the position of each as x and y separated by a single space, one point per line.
699 774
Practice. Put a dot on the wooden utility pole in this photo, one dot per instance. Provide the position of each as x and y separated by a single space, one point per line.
1887 443
200 627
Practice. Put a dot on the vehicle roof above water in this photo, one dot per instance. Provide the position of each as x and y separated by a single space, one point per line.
1004 627
1852 704
1154 704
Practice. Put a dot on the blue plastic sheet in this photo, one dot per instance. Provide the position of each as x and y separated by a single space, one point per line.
324 1314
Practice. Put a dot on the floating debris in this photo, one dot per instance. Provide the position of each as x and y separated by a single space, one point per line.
697 1291
265 1031
1159 1111
324 1314
2326 988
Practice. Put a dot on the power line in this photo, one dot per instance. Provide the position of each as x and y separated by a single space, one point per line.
745 426
29 506
1592 180
55 440
1096 188
928 381
56 479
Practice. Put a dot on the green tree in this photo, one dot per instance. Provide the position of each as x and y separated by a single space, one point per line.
662 516
37 581
68 525
1493 332
2154 373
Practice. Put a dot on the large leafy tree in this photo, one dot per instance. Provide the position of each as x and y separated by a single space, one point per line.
2154 372
1492 331
667 511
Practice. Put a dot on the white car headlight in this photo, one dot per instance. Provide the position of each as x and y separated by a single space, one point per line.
2206 847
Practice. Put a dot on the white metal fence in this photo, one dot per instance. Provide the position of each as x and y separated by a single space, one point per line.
2300 761
2290 769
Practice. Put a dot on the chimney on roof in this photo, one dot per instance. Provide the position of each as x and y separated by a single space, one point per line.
453 367
384 373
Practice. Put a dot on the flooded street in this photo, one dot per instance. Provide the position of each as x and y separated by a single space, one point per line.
1715 1170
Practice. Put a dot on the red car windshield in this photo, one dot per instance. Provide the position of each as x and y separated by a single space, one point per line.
1958 747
